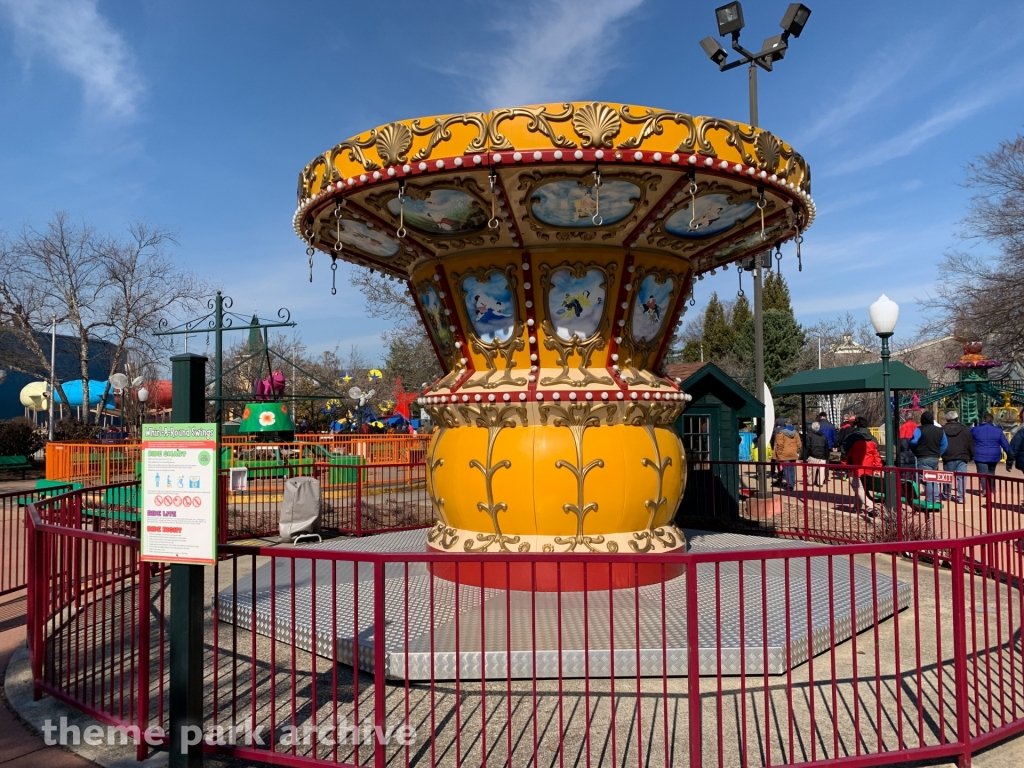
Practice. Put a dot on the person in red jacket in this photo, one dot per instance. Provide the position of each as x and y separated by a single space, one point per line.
862 456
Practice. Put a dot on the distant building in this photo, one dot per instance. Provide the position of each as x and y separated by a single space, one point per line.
67 365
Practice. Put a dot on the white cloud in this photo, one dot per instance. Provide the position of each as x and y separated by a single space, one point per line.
73 35
877 78
556 51
908 141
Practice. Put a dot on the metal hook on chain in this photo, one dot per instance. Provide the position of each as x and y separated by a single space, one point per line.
401 209
778 259
309 252
334 274
799 239
740 294
494 222
692 189
337 236
597 219
693 301
762 203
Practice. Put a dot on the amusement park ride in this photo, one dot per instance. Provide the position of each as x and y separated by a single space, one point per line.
551 251
974 394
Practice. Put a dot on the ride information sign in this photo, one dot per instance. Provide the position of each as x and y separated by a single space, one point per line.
179 493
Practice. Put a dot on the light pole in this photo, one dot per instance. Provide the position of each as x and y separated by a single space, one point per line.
143 395
730 22
884 314
53 373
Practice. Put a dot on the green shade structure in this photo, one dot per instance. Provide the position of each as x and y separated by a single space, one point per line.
266 417
851 378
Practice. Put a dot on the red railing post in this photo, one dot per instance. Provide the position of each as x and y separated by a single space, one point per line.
34 604
807 525
963 718
359 500
692 666
379 685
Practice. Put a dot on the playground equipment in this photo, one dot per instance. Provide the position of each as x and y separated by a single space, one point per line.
551 250
974 394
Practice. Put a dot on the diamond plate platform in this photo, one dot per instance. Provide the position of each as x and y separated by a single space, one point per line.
529 643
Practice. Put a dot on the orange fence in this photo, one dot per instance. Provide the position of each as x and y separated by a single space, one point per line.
99 464
91 463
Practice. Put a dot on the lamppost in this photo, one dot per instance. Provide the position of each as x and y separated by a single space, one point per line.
143 395
884 314
730 22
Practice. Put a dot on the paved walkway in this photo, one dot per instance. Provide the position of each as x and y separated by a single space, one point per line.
20 745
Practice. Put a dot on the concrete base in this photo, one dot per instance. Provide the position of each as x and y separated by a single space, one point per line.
542 623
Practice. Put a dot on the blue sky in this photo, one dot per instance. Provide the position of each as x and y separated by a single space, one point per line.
198 117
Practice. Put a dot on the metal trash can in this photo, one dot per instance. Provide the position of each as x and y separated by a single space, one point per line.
300 509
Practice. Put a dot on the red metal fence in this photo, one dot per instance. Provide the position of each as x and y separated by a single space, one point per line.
825 505
13 559
445 673
356 500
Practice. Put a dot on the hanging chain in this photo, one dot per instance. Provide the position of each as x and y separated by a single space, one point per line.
334 274
762 203
799 240
692 189
337 235
693 301
778 259
740 294
494 222
309 252
597 218
401 209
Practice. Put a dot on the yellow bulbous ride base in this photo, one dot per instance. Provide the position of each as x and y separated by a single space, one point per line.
576 483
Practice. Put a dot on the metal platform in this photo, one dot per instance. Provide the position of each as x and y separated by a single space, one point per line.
421 655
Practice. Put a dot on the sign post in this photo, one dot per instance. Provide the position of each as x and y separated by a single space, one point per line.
188 409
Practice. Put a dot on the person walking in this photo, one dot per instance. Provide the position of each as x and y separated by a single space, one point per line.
1015 456
989 444
929 443
959 451
845 429
906 456
828 429
785 450
861 452
816 451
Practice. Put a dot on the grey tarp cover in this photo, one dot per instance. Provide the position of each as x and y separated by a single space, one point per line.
300 508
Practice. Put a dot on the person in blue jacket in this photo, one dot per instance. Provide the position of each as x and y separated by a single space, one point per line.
1016 453
989 444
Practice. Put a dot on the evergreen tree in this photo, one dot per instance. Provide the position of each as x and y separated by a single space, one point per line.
740 314
718 336
784 340
775 293
693 352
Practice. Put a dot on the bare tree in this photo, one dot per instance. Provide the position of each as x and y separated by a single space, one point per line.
99 286
979 295
410 355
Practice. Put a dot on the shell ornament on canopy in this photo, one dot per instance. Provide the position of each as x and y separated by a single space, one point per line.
551 251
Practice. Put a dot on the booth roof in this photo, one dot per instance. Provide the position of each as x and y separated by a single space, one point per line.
851 378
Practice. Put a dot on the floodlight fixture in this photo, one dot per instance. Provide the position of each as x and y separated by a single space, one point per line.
714 50
730 19
795 19
774 48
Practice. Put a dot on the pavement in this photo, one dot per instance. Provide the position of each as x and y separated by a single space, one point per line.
20 744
